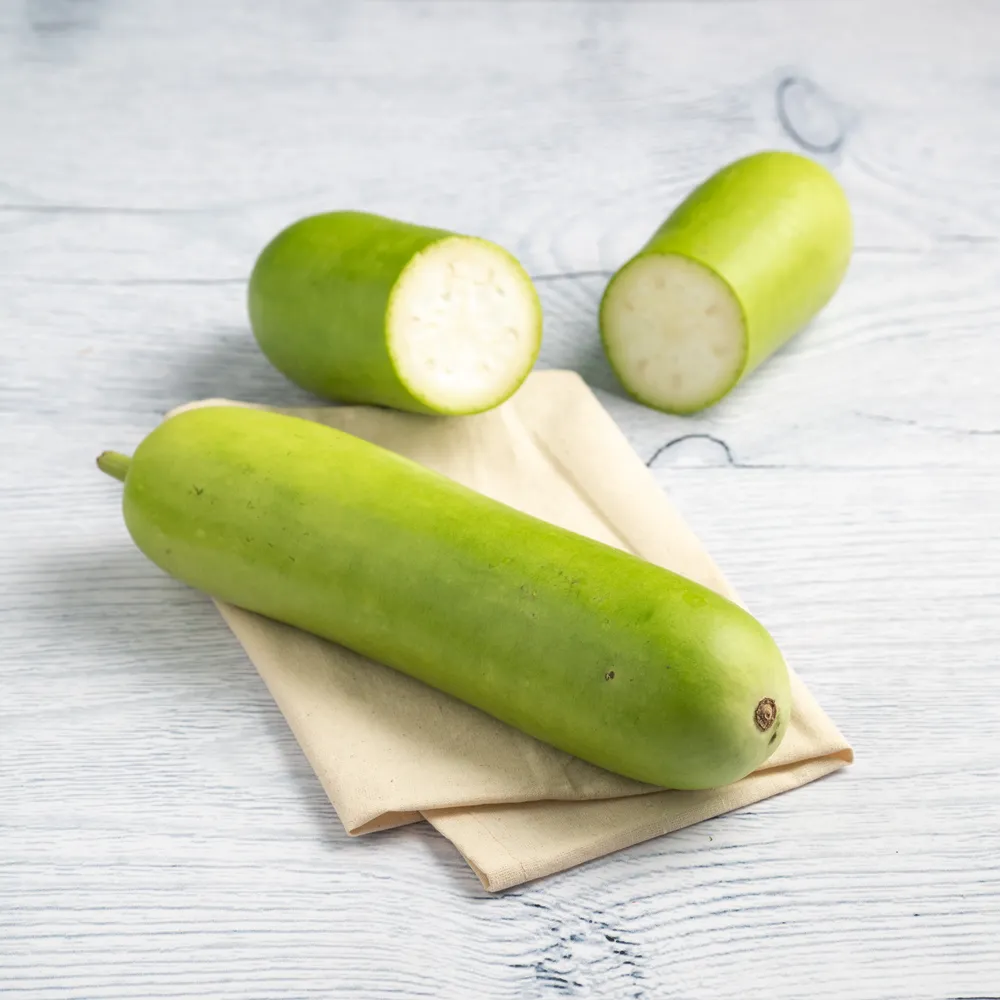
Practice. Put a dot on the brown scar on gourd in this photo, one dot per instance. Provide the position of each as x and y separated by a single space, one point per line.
765 713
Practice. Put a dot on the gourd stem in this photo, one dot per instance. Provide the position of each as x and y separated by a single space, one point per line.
114 464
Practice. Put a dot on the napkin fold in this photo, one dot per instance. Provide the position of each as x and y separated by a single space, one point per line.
390 750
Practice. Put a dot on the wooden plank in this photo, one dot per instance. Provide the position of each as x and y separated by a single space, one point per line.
160 833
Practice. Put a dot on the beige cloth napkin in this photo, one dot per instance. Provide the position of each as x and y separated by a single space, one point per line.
389 750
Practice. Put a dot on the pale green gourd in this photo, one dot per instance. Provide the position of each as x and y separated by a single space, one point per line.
364 309
583 646
739 267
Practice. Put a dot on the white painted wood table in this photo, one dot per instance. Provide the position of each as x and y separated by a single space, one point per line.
161 835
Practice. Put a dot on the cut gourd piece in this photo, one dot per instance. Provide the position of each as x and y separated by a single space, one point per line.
359 308
738 268
674 332
463 325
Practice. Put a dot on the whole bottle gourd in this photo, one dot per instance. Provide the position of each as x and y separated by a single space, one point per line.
588 648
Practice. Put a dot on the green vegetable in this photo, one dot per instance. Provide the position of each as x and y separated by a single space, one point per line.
363 309
585 647
741 265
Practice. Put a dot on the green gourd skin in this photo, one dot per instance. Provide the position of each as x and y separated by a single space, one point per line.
585 647
320 300
776 228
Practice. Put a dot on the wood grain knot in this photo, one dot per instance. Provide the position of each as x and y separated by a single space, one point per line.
809 115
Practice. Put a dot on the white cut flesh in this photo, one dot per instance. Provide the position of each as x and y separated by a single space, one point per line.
674 332
464 325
